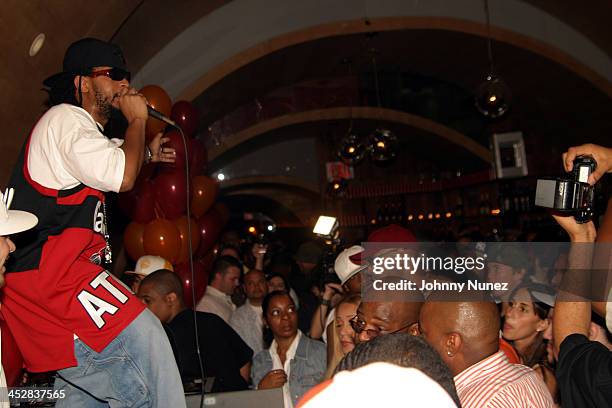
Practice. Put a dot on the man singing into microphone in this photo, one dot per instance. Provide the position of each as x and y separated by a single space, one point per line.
66 312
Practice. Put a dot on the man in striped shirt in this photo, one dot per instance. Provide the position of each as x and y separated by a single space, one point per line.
464 330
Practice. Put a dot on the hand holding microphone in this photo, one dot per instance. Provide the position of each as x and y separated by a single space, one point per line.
131 105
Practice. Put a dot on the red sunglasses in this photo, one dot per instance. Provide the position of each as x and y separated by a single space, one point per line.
116 74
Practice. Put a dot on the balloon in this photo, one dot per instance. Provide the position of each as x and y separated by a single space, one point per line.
162 238
181 224
133 240
198 157
170 193
204 192
199 282
143 209
186 116
223 211
209 226
159 100
176 142
126 201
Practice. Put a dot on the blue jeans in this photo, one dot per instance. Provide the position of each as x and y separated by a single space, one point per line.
137 370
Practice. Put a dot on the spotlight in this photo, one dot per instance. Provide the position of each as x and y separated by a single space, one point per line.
493 97
383 145
326 227
351 150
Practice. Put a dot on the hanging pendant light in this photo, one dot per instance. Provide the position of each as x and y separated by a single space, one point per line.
351 150
383 143
383 146
493 96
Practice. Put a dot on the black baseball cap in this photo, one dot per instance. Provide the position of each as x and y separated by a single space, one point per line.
84 54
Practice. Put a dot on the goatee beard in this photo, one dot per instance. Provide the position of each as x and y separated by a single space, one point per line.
104 106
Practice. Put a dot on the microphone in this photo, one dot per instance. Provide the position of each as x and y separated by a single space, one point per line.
160 116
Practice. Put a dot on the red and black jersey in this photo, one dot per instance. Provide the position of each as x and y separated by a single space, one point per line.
55 286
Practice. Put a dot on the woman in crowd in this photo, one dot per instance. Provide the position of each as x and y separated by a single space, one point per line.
294 361
527 318
276 281
341 339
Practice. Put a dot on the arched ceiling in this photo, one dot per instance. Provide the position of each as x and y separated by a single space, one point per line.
553 100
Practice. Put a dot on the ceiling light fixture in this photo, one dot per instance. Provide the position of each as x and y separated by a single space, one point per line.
37 44
383 142
493 95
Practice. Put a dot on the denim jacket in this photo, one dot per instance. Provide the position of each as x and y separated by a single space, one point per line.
306 369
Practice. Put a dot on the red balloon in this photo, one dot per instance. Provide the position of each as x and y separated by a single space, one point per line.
170 193
133 240
162 238
176 142
186 116
159 100
204 192
209 226
126 201
143 209
198 157
199 281
181 224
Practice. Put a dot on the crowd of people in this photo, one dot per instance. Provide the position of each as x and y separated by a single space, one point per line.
268 320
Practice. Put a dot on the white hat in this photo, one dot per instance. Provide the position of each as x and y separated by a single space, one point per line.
382 385
148 264
13 221
344 267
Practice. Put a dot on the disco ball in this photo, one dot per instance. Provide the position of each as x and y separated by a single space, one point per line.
493 97
351 150
383 146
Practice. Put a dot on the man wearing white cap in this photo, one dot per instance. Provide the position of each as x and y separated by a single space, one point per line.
146 265
347 267
11 222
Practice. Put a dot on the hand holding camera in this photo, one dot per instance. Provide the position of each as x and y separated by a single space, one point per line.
574 195
601 155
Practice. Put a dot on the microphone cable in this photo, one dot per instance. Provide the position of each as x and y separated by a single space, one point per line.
191 269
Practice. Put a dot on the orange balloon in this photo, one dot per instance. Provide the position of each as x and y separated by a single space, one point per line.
162 238
159 100
132 240
205 192
181 224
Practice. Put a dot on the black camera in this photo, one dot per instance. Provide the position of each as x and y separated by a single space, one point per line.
574 194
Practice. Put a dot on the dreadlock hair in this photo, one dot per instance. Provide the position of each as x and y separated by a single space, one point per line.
63 91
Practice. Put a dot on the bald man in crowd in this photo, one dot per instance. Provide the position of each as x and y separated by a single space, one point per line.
464 329
386 312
